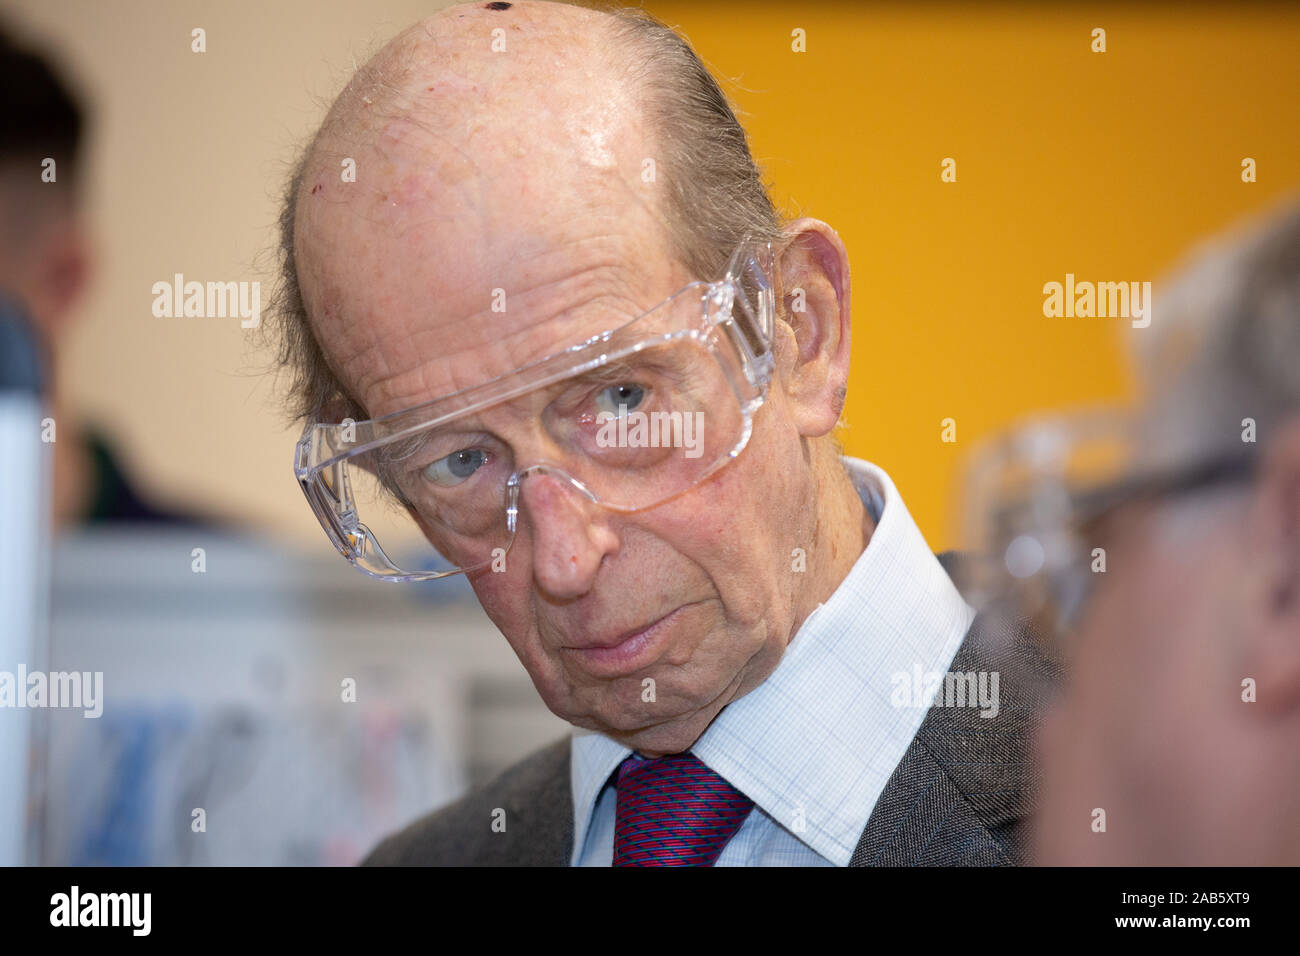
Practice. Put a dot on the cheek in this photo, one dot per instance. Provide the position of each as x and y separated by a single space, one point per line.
1168 606
726 528
1140 676
766 492
507 604
1114 669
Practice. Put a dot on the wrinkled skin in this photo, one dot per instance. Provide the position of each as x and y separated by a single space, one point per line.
520 171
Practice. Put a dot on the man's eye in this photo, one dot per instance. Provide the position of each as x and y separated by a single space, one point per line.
456 467
618 399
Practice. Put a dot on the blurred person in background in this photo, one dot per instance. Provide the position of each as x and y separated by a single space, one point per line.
46 264
1165 547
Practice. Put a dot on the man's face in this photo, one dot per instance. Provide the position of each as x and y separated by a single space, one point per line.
1149 731
696 595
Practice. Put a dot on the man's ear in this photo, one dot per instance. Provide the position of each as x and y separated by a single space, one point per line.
1274 525
812 331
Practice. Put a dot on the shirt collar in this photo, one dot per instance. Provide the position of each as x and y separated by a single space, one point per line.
896 612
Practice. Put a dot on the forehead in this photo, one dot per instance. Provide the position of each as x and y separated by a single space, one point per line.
416 321
448 263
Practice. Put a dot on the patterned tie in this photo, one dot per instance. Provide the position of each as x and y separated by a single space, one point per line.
674 811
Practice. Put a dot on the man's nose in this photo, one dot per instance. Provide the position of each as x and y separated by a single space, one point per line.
570 535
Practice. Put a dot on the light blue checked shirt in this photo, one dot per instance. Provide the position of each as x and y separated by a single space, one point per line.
814 745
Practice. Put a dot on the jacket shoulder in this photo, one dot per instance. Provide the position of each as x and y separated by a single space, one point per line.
523 817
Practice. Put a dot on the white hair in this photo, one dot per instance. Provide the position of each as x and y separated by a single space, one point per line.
1223 347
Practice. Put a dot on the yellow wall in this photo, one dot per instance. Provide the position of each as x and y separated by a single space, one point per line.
1102 164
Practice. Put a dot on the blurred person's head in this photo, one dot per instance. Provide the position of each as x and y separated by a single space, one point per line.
44 257
1181 722
518 163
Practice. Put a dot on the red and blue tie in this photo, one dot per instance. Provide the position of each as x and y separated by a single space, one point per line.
674 811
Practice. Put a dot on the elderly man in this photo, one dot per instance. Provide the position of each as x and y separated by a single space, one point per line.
1178 740
539 305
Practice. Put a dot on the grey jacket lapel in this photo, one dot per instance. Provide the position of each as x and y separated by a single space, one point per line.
963 792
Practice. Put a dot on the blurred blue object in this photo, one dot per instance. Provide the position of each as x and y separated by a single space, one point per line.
263 706
24 571
21 364
118 833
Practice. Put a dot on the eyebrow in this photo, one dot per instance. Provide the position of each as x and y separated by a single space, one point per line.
388 455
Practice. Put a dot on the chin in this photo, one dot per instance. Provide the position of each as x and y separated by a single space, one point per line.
672 723
669 733
627 726
641 726
663 740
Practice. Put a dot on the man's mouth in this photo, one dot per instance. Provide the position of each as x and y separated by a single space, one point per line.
622 653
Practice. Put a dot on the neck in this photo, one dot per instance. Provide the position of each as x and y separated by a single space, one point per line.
844 528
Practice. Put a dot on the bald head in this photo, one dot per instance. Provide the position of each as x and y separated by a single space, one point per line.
471 60
494 144
494 130
476 103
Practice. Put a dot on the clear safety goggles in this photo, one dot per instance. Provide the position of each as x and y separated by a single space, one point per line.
626 420
1043 504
